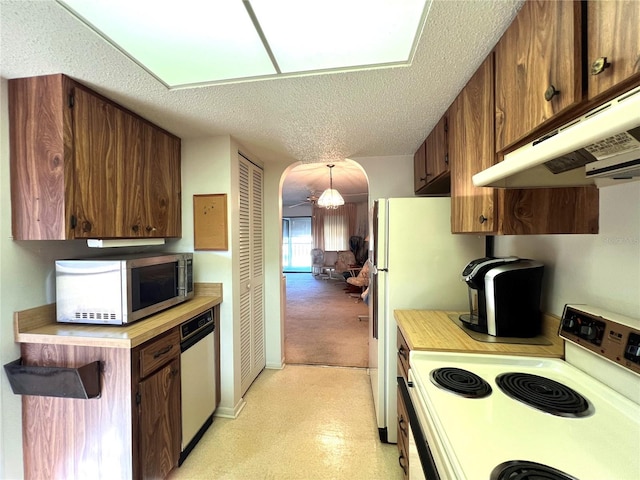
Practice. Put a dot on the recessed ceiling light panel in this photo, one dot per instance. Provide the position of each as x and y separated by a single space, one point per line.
337 34
195 42
185 42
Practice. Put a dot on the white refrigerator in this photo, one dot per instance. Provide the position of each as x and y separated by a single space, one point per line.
418 264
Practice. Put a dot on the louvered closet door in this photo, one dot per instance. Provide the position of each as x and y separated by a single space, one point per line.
252 354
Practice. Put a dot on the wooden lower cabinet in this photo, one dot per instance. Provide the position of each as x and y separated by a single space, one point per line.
403 437
131 431
160 421
403 418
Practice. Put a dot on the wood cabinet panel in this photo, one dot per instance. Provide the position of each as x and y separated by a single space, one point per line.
550 210
436 151
160 421
613 34
97 126
431 162
84 167
403 436
79 439
162 196
41 145
471 149
538 68
419 168
499 211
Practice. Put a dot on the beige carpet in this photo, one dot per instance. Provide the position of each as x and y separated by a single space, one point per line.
322 325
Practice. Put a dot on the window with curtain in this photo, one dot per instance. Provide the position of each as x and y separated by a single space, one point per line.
332 228
336 230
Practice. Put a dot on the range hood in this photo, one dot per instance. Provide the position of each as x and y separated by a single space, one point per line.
601 147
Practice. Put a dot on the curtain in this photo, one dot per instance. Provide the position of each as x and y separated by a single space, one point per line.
331 228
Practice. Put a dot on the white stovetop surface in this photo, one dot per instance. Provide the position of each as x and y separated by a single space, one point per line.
479 434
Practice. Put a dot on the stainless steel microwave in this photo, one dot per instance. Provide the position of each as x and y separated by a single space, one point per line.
121 290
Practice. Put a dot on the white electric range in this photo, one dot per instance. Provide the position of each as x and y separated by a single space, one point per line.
514 417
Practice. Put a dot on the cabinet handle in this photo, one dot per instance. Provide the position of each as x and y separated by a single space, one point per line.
135 228
482 219
402 422
402 352
402 465
150 228
165 350
86 226
599 65
550 93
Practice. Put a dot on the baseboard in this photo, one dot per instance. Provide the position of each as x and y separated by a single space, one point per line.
276 366
226 412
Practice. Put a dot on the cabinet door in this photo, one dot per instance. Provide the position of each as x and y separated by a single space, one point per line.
162 184
436 151
419 168
471 149
131 170
613 34
98 153
538 69
160 421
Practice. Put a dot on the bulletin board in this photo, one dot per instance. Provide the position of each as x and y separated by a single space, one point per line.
210 222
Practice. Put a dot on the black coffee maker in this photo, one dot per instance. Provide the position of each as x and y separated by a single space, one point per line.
504 296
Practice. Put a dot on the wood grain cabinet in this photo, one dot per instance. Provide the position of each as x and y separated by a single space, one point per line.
84 167
499 211
158 401
403 417
538 68
131 431
431 162
613 46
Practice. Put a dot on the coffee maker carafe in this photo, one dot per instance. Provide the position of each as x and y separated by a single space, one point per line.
504 296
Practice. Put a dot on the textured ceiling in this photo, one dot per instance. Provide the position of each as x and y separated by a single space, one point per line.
322 118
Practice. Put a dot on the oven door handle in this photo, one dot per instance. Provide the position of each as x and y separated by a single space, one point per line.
426 459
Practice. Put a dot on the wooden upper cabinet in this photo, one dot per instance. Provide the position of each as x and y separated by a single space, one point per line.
613 45
471 149
84 167
96 129
504 211
162 196
419 169
538 68
431 162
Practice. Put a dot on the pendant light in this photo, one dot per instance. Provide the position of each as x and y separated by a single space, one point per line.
330 198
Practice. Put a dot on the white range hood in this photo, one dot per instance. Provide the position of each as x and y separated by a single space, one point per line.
601 147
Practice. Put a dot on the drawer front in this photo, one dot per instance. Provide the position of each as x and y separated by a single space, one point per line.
403 356
158 352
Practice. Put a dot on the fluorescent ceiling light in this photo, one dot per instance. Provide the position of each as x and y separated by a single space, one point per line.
197 42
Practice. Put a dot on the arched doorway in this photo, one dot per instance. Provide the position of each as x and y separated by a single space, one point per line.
324 325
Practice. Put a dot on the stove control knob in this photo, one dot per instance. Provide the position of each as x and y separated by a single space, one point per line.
568 323
588 332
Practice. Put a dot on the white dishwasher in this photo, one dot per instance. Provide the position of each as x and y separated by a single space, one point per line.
198 382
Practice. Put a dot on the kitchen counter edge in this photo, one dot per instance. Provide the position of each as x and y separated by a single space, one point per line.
39 325
433 330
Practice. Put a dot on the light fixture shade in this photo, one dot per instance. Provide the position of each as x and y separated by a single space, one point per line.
330 198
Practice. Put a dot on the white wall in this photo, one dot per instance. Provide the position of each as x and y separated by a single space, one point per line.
601 270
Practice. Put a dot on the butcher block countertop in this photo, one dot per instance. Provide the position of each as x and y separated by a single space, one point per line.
38 325
434 330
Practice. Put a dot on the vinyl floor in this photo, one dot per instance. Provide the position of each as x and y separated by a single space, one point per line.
300 423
